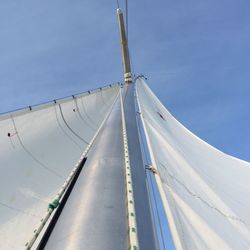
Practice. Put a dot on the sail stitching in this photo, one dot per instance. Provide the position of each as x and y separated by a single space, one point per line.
31 155
200 198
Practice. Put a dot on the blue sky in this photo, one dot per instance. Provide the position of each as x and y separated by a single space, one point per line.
195 54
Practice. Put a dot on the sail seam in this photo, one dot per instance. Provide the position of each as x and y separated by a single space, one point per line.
200 198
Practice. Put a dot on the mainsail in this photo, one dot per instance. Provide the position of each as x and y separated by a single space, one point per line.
204 191
74 175
38 149
207 191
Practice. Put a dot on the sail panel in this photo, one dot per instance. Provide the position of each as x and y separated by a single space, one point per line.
206 189
95 215
38 149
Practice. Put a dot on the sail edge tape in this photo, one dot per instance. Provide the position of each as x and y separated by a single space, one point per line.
61 205
167 210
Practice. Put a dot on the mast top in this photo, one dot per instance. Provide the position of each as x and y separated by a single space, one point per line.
124 46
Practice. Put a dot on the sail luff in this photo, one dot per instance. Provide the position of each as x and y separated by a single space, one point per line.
64 187
168 213
36 157
206 189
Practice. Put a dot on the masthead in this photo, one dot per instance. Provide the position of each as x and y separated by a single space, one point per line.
125 50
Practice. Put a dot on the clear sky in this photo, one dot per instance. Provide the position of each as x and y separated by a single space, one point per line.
196 55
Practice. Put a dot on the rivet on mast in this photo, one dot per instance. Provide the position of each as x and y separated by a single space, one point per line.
125 51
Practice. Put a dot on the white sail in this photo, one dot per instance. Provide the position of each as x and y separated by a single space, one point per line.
38 150
206 190
108 207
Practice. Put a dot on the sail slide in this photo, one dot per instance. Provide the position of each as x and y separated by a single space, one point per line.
38 149
206 192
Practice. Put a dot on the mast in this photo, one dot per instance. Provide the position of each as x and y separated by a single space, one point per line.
124 46
143 216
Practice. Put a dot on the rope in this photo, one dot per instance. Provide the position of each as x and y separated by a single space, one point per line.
80 115
31 155
152 189
63 130
117 2
126 3
78 136
157 211
127 24
149 179
85 112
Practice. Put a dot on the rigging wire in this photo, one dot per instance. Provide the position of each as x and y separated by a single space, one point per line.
63 130
31 154
80 115
85 112
117 2
126 4
153 194
126 23
157 211
152 197
132 63
78 136
150 187
127 33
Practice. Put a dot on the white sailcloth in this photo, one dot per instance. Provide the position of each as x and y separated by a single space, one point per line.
208 191
38 149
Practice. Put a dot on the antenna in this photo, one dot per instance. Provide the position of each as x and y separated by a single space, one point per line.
124 45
